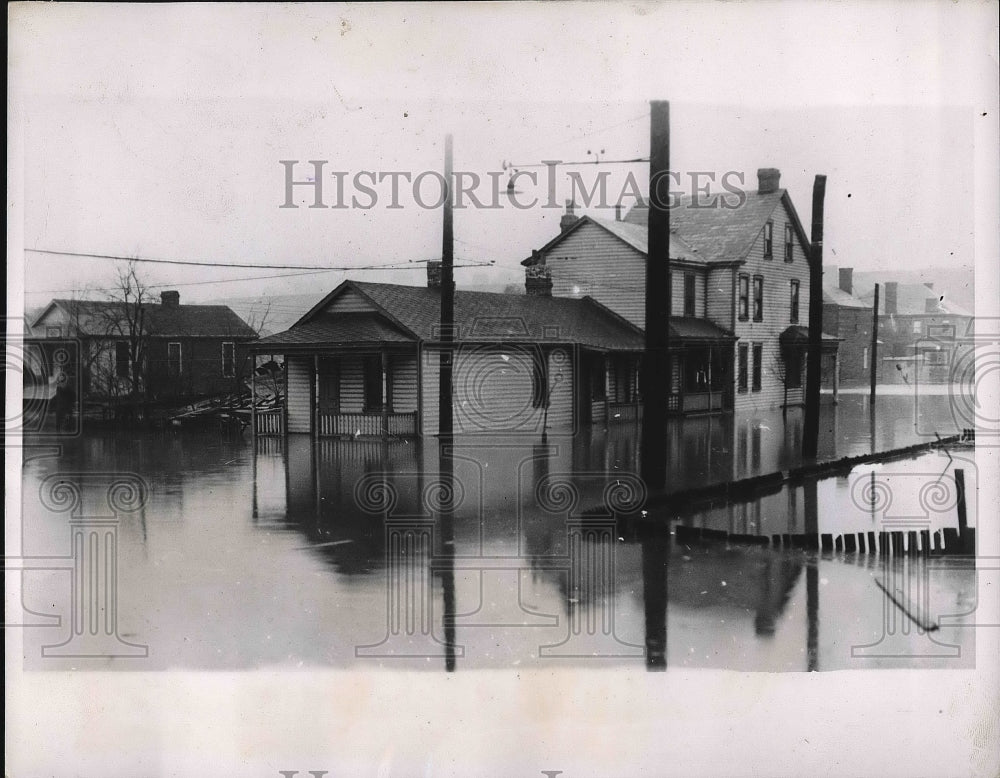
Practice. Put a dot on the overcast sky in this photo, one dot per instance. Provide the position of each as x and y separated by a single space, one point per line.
157 131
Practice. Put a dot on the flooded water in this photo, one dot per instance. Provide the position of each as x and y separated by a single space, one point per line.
201 551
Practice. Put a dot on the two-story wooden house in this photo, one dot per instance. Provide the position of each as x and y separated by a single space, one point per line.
740 292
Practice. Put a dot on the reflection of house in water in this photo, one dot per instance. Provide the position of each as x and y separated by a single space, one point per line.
524 551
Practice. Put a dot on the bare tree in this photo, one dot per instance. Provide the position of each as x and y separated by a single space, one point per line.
127 320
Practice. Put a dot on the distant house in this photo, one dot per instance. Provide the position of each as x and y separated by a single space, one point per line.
849 318
740 292
366 361
922 331
156 351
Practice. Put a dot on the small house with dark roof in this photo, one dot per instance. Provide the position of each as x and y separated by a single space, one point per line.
163 350
366 361
740 290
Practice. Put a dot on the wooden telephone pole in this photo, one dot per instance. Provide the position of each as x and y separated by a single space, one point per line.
655 360
810 434
447 300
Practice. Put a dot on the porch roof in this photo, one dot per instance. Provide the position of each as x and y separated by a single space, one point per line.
346 329
688 328
798 335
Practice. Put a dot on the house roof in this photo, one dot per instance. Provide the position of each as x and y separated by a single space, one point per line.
414 313
798 335
340 329
723 234
689 328
911 300
835 296
104 317
635 235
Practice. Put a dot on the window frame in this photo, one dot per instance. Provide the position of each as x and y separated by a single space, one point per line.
690 293
122 365
794 288
769 239
232 359
758 298
180 359
743 297
789 243
757 368
742 368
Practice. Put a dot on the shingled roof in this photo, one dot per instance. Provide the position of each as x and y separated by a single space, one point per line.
635 235
722 234
414 313
100 317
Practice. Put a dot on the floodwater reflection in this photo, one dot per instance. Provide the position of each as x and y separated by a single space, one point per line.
497 553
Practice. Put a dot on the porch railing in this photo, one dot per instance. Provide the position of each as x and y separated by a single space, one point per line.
366 424
692 402
624 411
270 422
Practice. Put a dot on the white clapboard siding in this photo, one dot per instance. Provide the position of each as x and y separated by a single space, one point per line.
561 368
493 390
593 262
431 375
404 383
352 386
299 391
720 296
349 301
777 273
677 275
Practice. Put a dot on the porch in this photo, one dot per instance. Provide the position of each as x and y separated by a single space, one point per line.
394 424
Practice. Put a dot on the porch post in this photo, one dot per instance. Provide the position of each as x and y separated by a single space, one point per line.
314 398
253 398
385 392
607 390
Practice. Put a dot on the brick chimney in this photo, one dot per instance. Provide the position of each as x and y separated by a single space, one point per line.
847 279
569 218
618 212
170 299
434 274
768 179
891 290
538 281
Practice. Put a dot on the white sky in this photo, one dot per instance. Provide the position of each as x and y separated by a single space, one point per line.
157 131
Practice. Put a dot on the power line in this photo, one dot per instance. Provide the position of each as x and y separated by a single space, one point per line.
188 263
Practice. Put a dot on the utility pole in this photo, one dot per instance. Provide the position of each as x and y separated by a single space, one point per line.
874 349
810 435
655 361
447 300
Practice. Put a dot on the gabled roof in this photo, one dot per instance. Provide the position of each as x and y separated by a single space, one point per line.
343 329
103 317
833 295
911 300
632 234
724 234
415 312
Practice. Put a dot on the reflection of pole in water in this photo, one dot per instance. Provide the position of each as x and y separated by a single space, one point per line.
654 586
447 570
812 575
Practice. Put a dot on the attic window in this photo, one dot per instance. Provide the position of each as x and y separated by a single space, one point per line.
788 243
769 240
